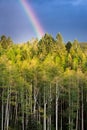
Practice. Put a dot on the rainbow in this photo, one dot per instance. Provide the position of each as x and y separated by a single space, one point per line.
33 18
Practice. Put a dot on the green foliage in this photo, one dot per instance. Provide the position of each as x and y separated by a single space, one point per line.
5 42
45 46
68 46
31 72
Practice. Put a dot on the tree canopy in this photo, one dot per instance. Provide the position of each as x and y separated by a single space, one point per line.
43 84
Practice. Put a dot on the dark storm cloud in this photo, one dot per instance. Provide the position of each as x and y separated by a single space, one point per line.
69 17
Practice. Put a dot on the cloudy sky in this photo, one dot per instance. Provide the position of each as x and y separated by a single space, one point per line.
69 17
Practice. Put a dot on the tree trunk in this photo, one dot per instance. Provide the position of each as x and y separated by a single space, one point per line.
26 119
44 115
61 115
57 98
77 113
2 112
16 109
69 109
48 126
72 121
22 108
82 108
50 109
7 112
44 108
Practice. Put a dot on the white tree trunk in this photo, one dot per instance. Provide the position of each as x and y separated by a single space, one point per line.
69 109
82 108
44 109
7 112
50 109
77 113
2 112
57 98
61 115
45 116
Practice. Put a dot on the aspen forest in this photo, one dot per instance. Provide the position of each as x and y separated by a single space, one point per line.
43 84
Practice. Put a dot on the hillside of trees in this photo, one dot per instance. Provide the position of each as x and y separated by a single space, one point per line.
43 84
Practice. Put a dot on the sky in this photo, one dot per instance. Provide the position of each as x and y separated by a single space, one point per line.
69 17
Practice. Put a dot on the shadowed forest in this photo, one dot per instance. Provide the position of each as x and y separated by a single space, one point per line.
43 84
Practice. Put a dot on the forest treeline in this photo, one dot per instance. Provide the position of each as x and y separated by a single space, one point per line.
43 84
